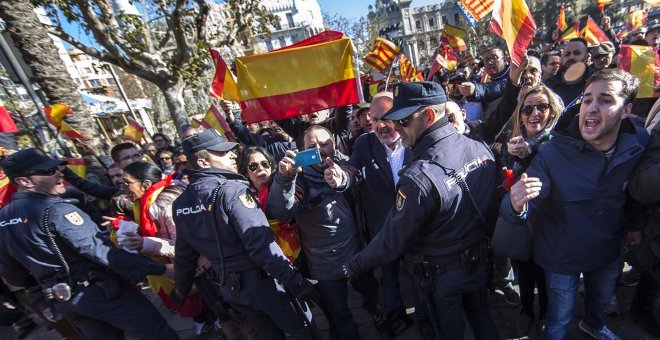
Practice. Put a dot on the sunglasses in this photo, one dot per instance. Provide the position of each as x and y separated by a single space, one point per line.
405 121
165 158
182 163
529 109
45 172
254 166
134 156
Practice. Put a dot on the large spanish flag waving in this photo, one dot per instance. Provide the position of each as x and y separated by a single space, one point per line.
292 82
593 34
643 62
512 21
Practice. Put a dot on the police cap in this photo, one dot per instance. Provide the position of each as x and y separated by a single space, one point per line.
24 161
409 97
208 139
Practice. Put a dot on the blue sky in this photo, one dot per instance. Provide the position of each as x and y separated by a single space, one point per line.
358 8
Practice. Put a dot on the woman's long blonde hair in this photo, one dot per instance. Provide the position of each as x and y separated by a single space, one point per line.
555 109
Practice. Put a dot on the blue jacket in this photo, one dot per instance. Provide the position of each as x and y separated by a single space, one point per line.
579 218
431 216
375 182
25 248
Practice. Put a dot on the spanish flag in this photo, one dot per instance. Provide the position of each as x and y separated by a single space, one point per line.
6 190
292 82
561 21
453 36
77 165
643 62
571 33
512 21
56 112
70 132
133 132
593 34
224 84
382 56
408 72
214 119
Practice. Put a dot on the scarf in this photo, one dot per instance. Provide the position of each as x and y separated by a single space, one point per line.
147 224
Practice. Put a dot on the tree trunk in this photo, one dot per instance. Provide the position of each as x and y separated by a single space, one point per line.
41 55
173 93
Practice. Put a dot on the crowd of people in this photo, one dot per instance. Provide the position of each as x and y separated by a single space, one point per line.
411 185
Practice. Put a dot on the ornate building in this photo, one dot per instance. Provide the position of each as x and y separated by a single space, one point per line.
416 29
298 19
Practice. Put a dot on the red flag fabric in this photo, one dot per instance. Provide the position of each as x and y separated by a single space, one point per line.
454 37
513 22
77 165
214 119
56 112
593 34
7 124
408 72
325 36
6 190
382 56
475 10
133 132
224 84
643 62
571 33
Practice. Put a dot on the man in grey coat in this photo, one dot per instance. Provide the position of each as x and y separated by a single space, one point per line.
328 230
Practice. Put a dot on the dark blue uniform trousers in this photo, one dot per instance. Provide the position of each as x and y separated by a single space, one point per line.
455 292
99 317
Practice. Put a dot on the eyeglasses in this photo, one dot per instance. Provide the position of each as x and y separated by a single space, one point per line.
137 156
254 166
165 158
44 172
405 121
127 184
529 109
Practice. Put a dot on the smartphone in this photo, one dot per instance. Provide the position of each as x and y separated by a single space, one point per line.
308 157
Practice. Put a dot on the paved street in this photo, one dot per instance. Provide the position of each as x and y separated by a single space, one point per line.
505 317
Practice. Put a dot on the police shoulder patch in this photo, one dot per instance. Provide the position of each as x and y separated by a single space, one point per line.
74 218
248 200
400 200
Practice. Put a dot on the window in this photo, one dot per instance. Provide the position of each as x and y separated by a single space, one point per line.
94 83
277 25
289 19
444 19
269 45
457 18
111 81
431 22
282 41
88 70
418 25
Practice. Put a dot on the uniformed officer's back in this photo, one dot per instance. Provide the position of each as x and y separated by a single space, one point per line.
83 276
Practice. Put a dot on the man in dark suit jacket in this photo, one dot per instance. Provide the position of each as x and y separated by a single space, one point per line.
373 167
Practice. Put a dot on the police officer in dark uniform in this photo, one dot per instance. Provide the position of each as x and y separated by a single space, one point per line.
442 196
218 217
83 276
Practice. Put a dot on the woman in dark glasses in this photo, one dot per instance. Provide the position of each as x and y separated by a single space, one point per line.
258 166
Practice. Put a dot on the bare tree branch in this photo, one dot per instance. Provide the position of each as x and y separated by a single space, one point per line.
203 16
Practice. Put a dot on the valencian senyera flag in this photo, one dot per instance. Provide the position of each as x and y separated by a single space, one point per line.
133 131
408 72
593 34
214 119
290 82
475 10
454 37
382 56
512 21
643 62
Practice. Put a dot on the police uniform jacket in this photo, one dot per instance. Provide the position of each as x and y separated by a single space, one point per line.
581 214
25 247
328 233
246 240
432 216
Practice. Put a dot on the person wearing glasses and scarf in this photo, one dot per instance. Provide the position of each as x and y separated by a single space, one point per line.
257 165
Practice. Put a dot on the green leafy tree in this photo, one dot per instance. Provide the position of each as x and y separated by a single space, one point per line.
166 45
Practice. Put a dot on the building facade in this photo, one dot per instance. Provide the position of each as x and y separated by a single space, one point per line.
416 30
298 20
